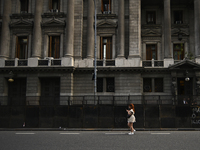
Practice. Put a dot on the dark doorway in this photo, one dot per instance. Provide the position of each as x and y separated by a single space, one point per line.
185 87
17 92
50 91
185 90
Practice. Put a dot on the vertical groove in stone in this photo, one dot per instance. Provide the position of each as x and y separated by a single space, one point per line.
167 30
197 27
70 29
37 31
90 29
5 32
121 30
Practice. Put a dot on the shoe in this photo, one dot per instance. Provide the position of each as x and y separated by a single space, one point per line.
131 133
134 130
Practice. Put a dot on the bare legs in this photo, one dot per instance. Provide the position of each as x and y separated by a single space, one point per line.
130 125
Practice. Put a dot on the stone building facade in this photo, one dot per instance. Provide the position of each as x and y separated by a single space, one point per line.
144 48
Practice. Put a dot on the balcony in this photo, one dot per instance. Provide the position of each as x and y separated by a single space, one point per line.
153 63
105 63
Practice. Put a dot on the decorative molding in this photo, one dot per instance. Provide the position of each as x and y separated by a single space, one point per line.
185 64
106 16
152 30
22 23
107 24
54 23
54 14
22 15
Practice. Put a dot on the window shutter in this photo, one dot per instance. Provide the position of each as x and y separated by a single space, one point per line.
110 5
101 48
109 48
58 5
17 54
102 7
57 47
50 5
50 46
148 53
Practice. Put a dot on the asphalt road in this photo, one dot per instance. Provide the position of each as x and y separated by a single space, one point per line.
90 140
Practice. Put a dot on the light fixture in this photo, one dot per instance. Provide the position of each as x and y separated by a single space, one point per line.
11 77
187 78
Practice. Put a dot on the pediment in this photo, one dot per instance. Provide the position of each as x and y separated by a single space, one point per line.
185 64
177 32
106 24
53 23
22 23
150 33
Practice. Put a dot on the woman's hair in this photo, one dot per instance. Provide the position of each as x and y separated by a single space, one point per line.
132 107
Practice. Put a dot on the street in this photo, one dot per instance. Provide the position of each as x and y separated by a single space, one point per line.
98 140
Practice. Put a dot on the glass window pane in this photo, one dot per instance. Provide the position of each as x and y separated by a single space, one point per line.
147 85
99 84
158 84
110 85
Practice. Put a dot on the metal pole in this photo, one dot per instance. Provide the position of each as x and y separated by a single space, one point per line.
95 55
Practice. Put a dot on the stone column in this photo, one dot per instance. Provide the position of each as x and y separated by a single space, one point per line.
121 31
135 33
68 59
167 29
37 31
197 28
5 31
168 59
90 29
70 29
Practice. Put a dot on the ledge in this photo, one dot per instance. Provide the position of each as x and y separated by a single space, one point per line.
54 14
107 16
22 15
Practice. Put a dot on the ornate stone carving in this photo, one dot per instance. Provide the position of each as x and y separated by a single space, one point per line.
22 23
107 24
152 30
54 23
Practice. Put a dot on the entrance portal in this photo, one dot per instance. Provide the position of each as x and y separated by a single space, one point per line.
185 90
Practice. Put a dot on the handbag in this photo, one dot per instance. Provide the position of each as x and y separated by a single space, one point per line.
128 116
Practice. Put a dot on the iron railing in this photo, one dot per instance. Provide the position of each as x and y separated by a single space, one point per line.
101 100
153 63
9 62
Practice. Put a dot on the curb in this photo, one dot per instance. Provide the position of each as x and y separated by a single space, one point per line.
98 129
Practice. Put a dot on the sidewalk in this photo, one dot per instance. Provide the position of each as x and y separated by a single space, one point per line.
98 129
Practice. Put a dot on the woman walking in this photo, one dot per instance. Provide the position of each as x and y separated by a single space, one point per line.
131 118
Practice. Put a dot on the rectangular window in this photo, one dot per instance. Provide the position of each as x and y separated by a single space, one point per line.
178 17
22 47
50 91
106 6
147 85
158 83
54 5
99 84
24 6
106 48
151 17
109 84
151 51
54 46
178 51
17 92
